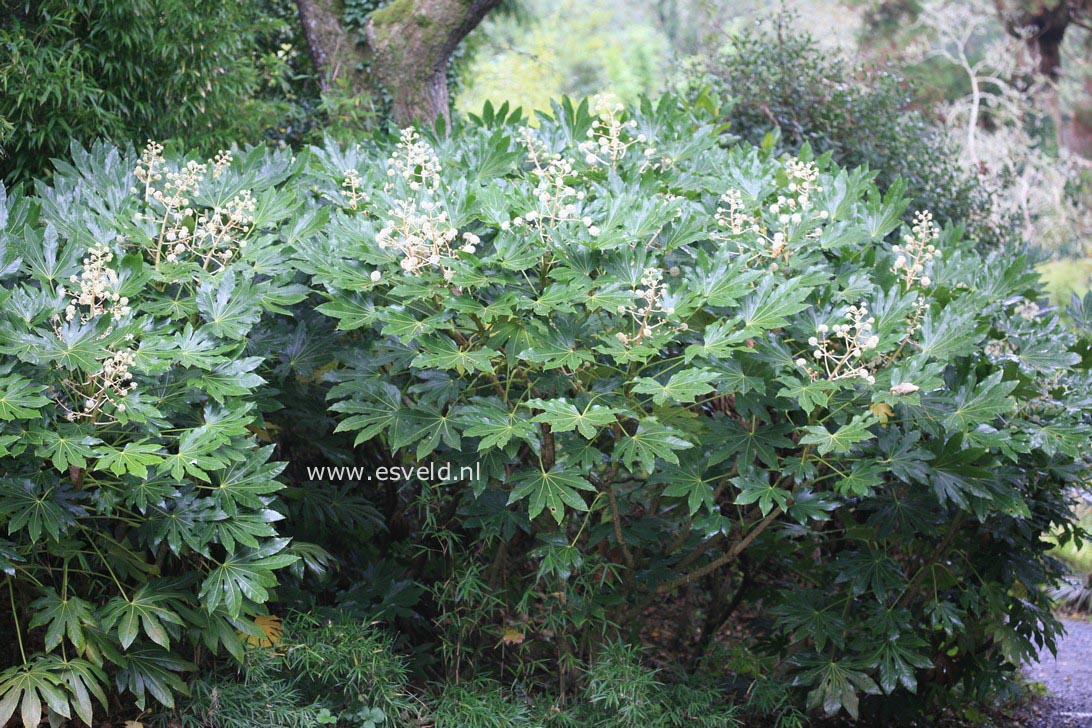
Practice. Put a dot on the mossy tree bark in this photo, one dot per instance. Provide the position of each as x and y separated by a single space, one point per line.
1042 24
406 49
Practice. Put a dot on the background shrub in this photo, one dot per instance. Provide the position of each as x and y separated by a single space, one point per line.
129 71
777 78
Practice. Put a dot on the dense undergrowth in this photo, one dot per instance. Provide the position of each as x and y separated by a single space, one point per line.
676 373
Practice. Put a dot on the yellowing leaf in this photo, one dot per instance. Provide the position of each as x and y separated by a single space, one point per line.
271 626
512 636
883 411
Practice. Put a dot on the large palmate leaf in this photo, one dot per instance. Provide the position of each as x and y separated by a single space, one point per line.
372 408
756 487
841 440
978 404
564 416
20 398
134 458
244 578
63 618
759 440
770 305
552 490
153 671
51 686
147 611
650 441
443 353
719 339
685 386
66 446
426 427
554 349
693 480
30 689
36 508
496 427
230 307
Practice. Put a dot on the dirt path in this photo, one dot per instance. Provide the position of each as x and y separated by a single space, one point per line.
1069 680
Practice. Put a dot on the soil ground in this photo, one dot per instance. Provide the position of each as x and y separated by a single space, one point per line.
1068 680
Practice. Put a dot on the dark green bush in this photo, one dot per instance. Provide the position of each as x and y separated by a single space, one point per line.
774 78
128 71
693 384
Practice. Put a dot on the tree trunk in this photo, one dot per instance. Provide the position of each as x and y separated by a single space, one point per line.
1078 132
333 49
1042 27
407 49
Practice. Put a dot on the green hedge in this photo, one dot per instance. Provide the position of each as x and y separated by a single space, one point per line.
685 371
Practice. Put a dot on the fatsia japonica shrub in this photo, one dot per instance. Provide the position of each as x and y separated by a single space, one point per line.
664 370
136 527
650 381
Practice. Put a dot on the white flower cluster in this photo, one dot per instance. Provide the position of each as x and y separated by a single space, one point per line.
419 229
557 200
607 143
351 189
218 233
735 219
999 347
149 169
95 290
221 162
416 162
177 186
792 208
918 250
1027 310
647 315
108 385
841 352
423 235
913 321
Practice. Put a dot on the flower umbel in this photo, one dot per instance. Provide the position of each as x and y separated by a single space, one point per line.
735 219
556 198
351 189
108 386
210 237
648 314
421 233
1027 310
917 250
415 162
607 143
841 355
96 289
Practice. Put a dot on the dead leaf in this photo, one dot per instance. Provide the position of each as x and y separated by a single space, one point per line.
883 411
272 629
512 636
